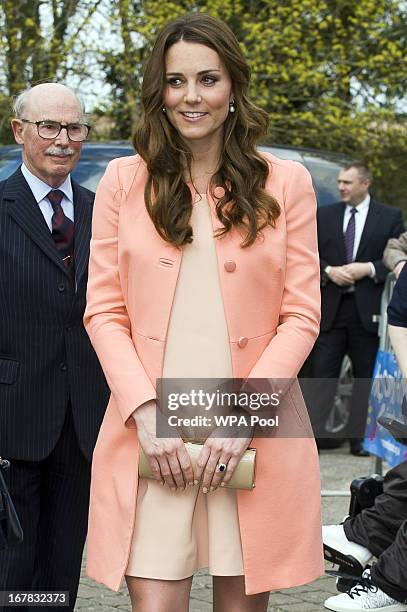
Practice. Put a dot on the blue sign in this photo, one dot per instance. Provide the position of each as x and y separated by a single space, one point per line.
386 399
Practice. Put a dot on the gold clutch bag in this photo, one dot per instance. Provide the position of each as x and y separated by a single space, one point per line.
243 476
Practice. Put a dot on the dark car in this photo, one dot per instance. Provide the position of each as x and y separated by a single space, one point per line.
323 166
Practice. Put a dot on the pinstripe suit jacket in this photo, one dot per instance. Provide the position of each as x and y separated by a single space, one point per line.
46 358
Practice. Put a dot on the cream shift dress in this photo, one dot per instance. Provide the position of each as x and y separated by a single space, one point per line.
177 533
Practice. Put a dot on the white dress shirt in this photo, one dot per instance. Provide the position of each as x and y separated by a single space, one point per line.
360 220
40 191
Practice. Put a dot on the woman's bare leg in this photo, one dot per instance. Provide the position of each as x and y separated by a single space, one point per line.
148 595
228 595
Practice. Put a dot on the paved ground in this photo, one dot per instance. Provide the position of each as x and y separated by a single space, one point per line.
338 468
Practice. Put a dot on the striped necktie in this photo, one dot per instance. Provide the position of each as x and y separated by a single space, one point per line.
349 236
62 228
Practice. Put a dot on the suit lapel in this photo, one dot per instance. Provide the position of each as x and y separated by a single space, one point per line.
25 211
372 219
83 221
337 220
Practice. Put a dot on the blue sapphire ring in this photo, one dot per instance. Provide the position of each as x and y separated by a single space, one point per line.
222 467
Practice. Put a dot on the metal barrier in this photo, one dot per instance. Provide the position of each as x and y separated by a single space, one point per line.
384 342
385 345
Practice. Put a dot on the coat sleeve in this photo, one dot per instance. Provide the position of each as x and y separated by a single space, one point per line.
323 263
396 228
300 307
395 251
106 319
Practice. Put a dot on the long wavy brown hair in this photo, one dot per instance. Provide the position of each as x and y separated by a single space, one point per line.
242 171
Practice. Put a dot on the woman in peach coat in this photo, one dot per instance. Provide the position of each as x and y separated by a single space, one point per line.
203 264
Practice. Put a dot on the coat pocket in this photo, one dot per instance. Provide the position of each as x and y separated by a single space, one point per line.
8 370
300 409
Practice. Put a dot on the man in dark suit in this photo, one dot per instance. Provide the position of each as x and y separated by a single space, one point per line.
352 235
52 391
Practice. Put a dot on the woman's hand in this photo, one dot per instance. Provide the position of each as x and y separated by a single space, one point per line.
168 458
215 452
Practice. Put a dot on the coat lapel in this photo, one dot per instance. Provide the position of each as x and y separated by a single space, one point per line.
372 219
83 220
25 211
337 220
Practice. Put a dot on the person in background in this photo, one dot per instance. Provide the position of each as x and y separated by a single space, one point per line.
204 265
395 254
382 529
352 235
52 390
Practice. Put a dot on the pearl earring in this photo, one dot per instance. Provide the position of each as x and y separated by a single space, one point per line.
232 106
164 110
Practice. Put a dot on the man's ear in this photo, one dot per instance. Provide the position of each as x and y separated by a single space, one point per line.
17 128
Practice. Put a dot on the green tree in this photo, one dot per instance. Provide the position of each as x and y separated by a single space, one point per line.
331 74
41 40
314 63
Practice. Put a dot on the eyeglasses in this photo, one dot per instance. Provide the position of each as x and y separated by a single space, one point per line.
49 130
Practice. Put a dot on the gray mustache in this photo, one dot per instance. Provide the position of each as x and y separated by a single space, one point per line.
59 151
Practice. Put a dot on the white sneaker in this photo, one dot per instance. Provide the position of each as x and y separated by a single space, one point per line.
364 596
338 549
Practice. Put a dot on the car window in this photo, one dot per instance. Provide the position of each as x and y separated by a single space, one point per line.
88 172
325 179
8 166
283 153
324 170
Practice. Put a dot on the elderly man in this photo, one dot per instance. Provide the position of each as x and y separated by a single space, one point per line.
352 235
52 391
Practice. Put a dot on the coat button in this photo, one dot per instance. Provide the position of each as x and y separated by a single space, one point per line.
61 287
63 367
230 266
242 342
219 192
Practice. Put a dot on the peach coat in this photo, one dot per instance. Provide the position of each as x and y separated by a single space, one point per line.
272 306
